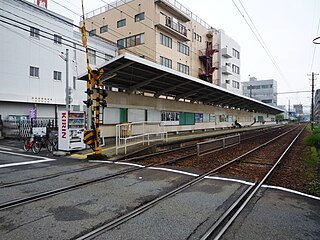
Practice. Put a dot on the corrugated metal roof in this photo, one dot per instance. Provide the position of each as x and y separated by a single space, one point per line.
134 73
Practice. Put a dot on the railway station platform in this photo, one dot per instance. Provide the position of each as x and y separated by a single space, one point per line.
172 138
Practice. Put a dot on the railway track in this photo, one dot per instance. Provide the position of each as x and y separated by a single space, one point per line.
221 226
226 219
186 151
157 159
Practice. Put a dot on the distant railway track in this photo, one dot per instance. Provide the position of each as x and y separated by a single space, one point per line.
189 149
175 155
223 222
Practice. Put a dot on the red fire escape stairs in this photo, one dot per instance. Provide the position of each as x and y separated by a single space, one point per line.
206 60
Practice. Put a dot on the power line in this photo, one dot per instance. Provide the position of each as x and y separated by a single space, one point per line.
307 91
260 39
54 51
314 48
108 28
41 35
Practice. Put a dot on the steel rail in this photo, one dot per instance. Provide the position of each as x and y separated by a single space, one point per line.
49 176
244 199
43 195
188 147
98 231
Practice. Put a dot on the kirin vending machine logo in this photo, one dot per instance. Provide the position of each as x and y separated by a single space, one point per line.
64 125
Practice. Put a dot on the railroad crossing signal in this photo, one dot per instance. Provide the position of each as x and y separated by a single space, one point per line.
96 94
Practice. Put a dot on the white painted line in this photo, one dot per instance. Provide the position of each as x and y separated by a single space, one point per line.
210 177
6 148
99 161
291 191
174 171
25 155
230 180
130 164
25 163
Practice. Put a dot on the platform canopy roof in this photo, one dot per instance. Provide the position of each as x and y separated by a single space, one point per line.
134 73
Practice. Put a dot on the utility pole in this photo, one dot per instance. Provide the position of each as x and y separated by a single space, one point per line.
65 57
67 80
312 104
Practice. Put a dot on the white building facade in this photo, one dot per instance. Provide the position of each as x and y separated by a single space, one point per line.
33 68
262 90
227 61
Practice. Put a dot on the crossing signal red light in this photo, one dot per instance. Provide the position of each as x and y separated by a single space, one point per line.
88 103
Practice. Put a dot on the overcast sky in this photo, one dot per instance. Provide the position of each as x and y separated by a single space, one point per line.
287 27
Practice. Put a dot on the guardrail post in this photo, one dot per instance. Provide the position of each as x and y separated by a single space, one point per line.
125 146
198 149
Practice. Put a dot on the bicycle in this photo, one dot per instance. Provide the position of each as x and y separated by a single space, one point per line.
42 142
28 143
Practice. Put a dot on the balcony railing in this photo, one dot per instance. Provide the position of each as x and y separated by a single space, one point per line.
176 26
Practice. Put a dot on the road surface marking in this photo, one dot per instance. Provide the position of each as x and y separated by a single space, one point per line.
43 159
25 163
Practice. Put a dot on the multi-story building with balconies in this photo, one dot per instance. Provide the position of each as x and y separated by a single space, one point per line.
166 32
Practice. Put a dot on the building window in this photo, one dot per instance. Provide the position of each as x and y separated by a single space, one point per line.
235 84
34 32
235 53
57 75
74 83
92 32
34 72
170 116
166 62
57 39
183 68
165 40
235 69
197 37
267 101
121 23
131 41
92 56
139 17
104 29
183 48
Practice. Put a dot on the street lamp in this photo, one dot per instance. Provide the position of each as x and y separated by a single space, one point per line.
65 57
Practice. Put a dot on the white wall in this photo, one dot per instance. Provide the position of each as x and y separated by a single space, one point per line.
19 51
224 41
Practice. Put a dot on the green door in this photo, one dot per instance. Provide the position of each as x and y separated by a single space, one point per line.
123 115
187 119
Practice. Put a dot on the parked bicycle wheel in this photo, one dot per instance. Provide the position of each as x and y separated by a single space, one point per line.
28 144
49 145
36 147
55 144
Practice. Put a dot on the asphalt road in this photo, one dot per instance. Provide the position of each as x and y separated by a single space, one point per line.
273 214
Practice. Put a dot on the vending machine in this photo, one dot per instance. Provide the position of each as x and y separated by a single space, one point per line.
71 130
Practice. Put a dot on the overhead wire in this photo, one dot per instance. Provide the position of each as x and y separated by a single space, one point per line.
258 36
314 47
97 23
54 51
119 34
146 25
41 35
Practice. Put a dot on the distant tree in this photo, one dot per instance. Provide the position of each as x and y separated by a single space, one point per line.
279 117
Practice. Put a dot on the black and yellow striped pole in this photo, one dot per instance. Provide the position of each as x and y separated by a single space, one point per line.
94 84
